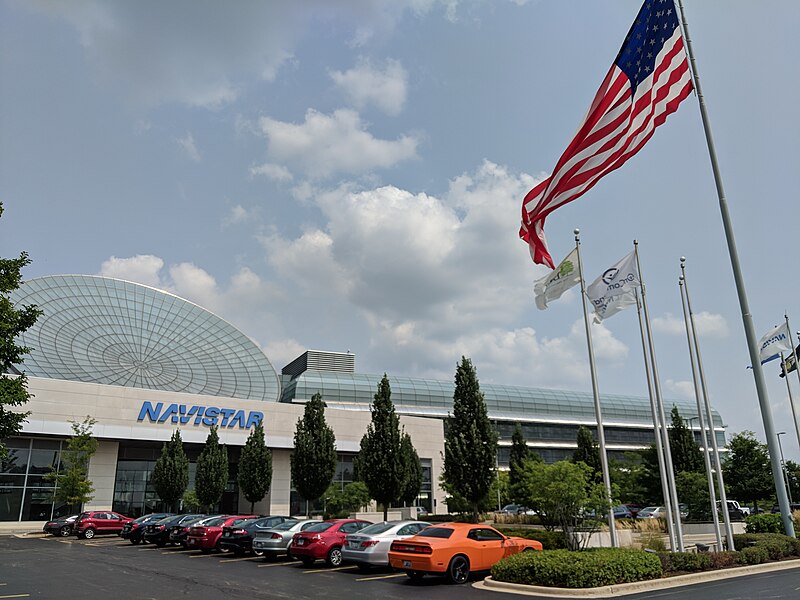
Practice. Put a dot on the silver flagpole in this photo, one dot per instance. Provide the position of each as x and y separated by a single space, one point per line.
723 495
706 450
747 317
676 507
612 529
786 375
657 432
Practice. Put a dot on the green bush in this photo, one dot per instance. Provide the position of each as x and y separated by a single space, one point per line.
753 555
551 540
684 562
777 544
568 569
723 560
764 523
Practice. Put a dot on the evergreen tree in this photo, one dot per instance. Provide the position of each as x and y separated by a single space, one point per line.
13 322
686 454
518 454
313 463
212 471
255 467
73 486
470 443
412 471
588 452
748 474
380 464
171 471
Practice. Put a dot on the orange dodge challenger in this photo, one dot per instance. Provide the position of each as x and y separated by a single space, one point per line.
455 549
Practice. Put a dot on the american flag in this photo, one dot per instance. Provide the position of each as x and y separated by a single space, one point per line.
647 81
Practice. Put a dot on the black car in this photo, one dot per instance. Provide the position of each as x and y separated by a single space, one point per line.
158 532
61 527
239 539
134 531
179 531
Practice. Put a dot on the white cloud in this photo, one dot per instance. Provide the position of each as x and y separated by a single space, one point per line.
142 268
708 325
682 389
328 144
189 147
237 215
272 171
366 84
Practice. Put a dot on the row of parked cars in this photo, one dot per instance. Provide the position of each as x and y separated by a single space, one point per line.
416 547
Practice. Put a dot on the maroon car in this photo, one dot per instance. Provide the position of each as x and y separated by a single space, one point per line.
324 540
206 537
93 522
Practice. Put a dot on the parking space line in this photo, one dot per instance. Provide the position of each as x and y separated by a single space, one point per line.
227 560
209 555
176 551
393 575
17 596
331 569
66 541
283 564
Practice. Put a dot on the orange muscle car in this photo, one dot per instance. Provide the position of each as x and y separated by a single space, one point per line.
455 549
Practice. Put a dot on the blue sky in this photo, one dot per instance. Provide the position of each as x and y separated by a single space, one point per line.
349 175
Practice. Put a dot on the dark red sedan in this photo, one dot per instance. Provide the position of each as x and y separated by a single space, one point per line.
206 537
324 540
99 521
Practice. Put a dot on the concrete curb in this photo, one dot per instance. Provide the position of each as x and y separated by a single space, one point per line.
624 589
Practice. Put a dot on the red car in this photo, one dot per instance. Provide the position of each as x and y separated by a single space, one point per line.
206 537
98 521
324 540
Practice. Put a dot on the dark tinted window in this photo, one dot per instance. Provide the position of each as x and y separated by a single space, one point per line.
286 525
319 527
216 522
436 532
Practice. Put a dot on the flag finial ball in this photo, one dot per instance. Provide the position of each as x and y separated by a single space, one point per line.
683 259
680 278
576 231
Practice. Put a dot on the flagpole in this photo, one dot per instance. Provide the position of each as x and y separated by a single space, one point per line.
747 317
723 495
786 375
676 512
656 431
612 529
706 450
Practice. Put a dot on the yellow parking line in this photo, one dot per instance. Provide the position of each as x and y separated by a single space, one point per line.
242 558
176 551
280 564
331 569
201 555
17 596
381 577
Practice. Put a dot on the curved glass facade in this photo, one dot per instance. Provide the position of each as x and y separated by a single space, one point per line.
114 332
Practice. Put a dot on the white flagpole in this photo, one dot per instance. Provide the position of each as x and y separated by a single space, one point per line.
662 470
676 507
612 529
706 450
723 495
786 375
747 317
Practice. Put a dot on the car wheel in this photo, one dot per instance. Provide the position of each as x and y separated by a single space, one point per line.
258 552
136 541
65 531
161 543
307 561
88 533
458 569
334 558
415 576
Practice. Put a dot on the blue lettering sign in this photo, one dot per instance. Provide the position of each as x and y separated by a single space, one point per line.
205 415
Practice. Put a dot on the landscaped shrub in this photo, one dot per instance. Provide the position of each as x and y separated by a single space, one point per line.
764 523
723 560
753 555
551 540
684 562
777 544
590 568
653 541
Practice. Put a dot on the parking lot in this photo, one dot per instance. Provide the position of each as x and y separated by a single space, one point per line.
110 567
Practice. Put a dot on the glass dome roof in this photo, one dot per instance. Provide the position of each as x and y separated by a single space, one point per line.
101 330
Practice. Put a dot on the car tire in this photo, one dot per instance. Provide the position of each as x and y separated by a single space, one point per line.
161 543
258 552
415 576
88 533
205 550
65 531
135 541
307 561
334 558
458 569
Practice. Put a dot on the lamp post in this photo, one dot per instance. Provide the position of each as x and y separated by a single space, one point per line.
783 467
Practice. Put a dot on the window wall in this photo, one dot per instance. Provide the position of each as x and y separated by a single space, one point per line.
25 494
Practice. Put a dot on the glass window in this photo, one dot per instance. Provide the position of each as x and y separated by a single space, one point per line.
378 528
10 503
436 532
16 461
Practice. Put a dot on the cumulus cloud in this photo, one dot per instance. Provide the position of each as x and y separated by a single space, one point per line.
272 171
142 268
708 325
189 147
325 145
365 84
682 389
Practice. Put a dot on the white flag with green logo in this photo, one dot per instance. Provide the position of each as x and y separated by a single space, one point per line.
559 281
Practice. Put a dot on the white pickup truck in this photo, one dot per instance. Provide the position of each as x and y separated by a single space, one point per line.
734 505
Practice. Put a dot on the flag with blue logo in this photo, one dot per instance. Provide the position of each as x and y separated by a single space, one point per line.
775 341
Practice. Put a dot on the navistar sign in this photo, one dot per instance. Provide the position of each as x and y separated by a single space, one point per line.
182 414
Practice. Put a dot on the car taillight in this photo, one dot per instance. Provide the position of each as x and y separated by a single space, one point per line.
411 548
159 527
368 543
238 532
276 536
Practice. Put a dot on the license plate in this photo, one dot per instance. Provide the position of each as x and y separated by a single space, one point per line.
407 564
226 534
191 542
353 545
301 542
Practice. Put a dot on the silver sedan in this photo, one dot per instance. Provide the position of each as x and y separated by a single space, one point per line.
370 546
275 540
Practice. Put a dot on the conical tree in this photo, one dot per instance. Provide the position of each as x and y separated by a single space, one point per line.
588 452
412 471
380 464
686 454
470 443
171 471
518 455
212 471
255 467
313 462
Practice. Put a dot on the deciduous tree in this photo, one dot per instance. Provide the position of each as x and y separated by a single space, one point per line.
588 452
73 486
255 467
748 475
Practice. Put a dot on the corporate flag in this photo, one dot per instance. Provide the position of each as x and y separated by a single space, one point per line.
647 81
610 305
550 287
613 291
775 341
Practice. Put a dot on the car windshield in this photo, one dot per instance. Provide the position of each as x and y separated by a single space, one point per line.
215 522
436 532
190 519
377 528
319 527
143 519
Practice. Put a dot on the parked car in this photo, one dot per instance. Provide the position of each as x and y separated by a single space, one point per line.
205 537
421 511
157 531
179 530
134 530
455 550
370 546
792 507
634 508
275 541
652 512
516 509
324 540
622 512
239 538
93 522
61 527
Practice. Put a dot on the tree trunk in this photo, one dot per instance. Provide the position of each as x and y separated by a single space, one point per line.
252 507
385 513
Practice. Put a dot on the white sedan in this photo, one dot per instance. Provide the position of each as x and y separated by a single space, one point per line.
370 546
